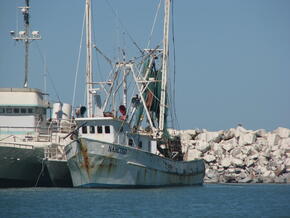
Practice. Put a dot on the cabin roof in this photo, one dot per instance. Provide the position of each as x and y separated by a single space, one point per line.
21 90
22 97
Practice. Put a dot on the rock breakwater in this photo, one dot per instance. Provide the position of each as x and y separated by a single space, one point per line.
238 155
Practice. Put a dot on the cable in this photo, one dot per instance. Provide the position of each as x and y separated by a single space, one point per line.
78 62
125 29
47 73
154 22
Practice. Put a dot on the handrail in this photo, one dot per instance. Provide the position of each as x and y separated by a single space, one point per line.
17 144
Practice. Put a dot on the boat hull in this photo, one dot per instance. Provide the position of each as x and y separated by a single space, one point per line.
21 166
59 173
94 163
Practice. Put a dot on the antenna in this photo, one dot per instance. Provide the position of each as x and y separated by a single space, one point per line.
26 37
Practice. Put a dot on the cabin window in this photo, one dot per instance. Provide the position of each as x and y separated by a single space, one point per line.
2 110
23 110
43 111
107 129
30 110
84 130
92 129
100 129
130 142
140 144
9 110
16 110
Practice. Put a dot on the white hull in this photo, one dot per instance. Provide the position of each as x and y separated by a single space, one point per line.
21 165
94 163
59 173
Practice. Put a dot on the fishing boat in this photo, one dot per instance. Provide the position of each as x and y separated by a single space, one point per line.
54 155
26 128
126 144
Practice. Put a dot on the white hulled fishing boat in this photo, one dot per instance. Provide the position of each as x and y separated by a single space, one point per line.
132 149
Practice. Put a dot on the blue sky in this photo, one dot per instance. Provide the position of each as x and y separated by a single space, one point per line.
232 56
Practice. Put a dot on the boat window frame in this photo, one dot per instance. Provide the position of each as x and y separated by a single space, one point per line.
107 129
30 110
16 110
86 130
99 129
23 110
9 110
92 129
2 110
140 144
130 142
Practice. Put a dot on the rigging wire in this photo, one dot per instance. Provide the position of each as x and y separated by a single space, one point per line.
125 29
154 22
99 51
47 73
78 62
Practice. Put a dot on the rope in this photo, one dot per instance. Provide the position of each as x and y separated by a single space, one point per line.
41 171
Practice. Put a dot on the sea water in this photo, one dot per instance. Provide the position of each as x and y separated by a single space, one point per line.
209 200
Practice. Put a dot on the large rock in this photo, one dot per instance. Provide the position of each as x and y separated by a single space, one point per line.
273 139
229 134
217 150
193 154
260 133
285 143
282 132
237 162
287 163
209 158
226 162
236 152
229 144
239 131
211 176
249 162
202 146
214 137
247 139
184 137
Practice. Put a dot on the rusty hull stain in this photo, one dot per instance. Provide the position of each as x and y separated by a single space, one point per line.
84 150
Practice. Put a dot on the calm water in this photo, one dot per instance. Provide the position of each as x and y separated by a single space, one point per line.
204 201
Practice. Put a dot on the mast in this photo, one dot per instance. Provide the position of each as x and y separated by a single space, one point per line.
89 66
164 66
26 37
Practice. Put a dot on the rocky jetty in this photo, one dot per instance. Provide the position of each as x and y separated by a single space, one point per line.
239 155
